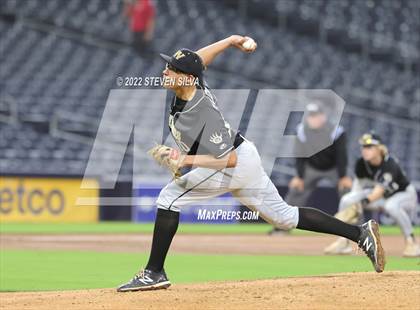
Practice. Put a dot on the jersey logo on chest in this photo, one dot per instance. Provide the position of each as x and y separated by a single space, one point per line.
177 135
175 132
216 138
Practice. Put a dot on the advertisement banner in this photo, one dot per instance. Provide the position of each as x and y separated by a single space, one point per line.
144 208
27 199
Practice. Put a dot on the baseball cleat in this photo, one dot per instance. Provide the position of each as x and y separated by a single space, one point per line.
370 243
412 249
146 280
341 246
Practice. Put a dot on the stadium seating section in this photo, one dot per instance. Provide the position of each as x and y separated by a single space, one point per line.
59 59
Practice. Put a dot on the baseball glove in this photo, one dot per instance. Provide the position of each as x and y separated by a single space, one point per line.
350 214
168 157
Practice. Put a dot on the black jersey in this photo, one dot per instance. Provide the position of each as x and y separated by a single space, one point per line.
388 174
199 128
334 156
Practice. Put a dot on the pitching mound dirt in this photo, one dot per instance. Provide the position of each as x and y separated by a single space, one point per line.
390 290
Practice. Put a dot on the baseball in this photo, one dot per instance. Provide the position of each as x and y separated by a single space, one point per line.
249 44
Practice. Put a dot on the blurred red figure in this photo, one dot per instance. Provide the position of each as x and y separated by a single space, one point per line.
142 22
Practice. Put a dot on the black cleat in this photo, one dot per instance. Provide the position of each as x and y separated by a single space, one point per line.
370 243
146 280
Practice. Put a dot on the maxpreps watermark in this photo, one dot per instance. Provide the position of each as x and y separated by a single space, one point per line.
131 111
223 215
154 81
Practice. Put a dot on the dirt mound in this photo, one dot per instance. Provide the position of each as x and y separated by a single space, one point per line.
390 290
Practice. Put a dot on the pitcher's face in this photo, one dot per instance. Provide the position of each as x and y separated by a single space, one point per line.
174 78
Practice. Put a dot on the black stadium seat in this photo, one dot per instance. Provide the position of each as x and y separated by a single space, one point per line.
48 74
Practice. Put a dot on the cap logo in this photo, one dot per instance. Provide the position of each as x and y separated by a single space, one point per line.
178 55
368 139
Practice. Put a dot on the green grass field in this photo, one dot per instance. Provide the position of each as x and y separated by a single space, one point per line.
124 227
61 270
23 270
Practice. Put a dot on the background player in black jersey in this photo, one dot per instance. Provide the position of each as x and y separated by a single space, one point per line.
327 164
380 184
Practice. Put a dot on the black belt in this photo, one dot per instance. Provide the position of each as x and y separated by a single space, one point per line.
238 140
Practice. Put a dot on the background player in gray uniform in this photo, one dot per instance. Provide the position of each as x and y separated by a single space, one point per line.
380 184
224 161
329 163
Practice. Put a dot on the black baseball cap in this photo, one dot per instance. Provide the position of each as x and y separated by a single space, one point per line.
370 139
186 61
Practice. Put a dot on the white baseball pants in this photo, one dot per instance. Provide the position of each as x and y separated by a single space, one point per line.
248 182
